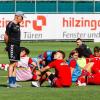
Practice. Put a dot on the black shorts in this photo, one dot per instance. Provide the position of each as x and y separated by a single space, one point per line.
14 52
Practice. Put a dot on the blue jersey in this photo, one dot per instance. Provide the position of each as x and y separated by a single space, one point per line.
35 59
76 72
47 55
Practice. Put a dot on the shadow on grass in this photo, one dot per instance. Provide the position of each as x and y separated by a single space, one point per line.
3 85
46 86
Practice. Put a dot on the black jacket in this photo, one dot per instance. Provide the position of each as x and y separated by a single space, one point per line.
84 51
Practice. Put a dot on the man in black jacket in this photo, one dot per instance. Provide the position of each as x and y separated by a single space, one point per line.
83 49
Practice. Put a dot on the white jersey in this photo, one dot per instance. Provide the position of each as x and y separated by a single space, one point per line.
24 62
23 72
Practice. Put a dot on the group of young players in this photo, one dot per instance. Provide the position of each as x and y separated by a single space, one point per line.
23 68
37 69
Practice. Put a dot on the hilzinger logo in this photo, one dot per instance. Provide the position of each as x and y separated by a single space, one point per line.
35 23
71 22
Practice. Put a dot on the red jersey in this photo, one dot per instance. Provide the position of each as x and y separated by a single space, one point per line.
96 66
72 63
62 71
96 61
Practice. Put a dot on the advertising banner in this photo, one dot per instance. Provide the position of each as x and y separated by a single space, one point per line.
55 26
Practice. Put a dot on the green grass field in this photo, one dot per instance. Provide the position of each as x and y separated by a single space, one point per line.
45 93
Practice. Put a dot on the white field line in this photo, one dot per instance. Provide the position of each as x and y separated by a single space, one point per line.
3 76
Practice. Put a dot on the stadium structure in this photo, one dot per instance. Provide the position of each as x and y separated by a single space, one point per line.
50 6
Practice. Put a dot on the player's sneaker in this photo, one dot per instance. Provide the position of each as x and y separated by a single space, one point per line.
35 84
0 66
12 86
81 81
80 84
49 81
4 66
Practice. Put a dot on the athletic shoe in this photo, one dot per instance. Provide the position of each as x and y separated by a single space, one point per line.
49 81
0 66
81 81
80 84
6 67
12 86
35 84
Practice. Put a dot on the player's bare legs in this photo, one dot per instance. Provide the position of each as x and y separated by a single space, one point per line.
11 69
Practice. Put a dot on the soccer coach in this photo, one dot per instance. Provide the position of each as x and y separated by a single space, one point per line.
12 40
